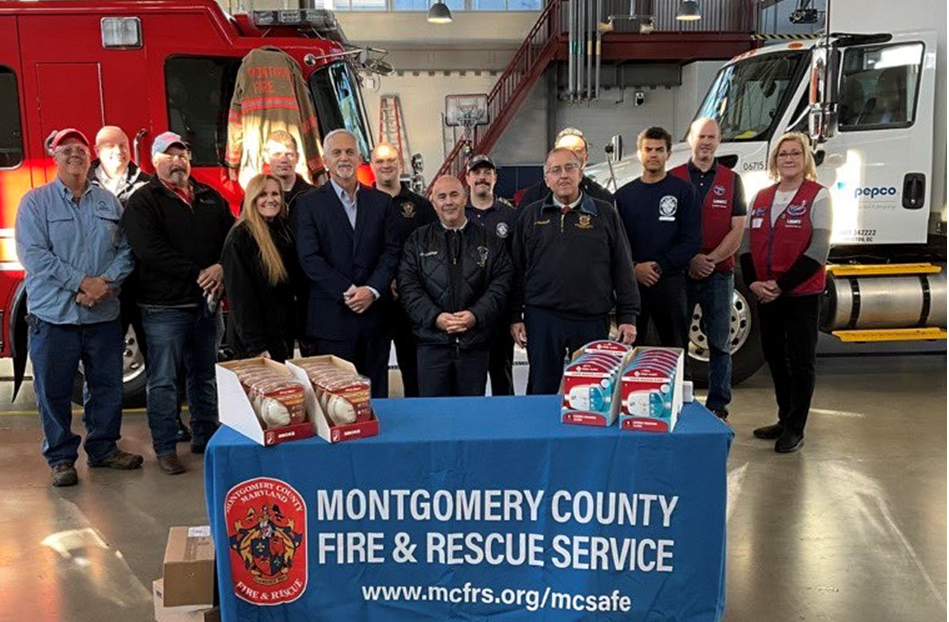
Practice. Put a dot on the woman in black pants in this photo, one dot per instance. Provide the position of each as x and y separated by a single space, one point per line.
782 260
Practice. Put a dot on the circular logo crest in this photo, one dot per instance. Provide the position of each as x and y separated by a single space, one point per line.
668 206
408 209
718 190
502 230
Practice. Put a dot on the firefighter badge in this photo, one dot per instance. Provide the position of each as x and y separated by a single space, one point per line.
408 209
668 206
584 222
266 521
502 230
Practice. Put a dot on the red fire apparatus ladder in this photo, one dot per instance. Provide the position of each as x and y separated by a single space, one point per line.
391 127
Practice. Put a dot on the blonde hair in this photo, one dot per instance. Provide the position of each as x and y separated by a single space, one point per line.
810 169
257 226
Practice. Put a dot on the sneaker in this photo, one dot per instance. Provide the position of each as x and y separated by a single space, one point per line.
119 459
171 464
789 442
769 432
64 474
184 434
721 413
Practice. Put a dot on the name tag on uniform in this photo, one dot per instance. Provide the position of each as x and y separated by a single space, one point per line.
756 223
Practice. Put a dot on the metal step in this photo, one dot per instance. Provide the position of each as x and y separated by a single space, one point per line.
890 334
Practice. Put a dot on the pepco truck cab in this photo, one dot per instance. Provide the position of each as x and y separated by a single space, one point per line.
874 104
146 67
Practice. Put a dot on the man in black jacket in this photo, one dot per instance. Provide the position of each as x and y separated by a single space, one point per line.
570 138
571 266
454 281
347 250
177 227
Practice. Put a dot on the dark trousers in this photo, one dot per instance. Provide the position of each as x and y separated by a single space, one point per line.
789 341
550 340
501 362
665 305
447 371
56 350
713 295
399 328
370 355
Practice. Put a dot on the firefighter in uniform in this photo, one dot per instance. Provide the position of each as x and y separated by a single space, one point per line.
783 259
711 281
411 212
572 266
498 216
570 138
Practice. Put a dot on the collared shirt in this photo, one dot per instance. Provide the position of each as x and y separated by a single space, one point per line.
499 219
112 184
349 204
186 194
60 241
571 206
461 228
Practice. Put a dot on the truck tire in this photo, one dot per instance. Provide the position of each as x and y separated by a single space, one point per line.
133 375
745 336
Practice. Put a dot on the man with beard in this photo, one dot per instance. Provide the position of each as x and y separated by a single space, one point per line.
348 252
282 156
177 227
662 221
498 216
411 212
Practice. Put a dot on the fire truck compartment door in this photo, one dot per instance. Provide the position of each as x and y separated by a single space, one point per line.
69 95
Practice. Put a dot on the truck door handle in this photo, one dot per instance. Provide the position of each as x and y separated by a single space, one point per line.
914 190
136 143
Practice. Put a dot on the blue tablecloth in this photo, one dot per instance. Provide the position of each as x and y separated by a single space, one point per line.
473 509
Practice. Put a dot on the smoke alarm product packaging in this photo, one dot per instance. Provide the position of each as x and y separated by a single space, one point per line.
338 397
591 381
651 390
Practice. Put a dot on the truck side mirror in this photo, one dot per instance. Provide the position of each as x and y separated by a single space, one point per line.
823 116
822 122
614 150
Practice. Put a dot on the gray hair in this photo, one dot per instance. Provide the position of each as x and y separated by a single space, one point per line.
328 137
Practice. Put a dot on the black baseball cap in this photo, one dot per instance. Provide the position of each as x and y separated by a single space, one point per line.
480 160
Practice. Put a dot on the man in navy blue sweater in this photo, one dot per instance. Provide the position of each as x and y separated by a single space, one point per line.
663 223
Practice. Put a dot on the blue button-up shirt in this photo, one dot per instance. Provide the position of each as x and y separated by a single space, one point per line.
60 242
349 205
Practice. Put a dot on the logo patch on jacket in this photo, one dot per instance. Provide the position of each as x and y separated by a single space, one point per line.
482 256
668 206
584 222
797 210
408 209
502 230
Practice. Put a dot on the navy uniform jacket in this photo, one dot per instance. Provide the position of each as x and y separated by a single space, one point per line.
334 257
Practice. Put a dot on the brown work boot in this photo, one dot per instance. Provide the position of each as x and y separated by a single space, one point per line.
64 474
171 464
118 459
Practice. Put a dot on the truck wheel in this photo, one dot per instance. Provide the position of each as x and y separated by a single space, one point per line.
133 375
744 334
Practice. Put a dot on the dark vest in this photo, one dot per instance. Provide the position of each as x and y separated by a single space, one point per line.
716 211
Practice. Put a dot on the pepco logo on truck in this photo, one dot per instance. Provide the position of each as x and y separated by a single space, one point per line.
873 192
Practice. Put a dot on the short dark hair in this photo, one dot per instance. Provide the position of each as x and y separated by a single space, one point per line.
654 133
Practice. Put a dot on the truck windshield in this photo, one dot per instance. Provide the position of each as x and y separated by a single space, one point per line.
338 103
748 98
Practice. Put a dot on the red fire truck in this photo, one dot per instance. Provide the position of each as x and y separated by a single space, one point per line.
147 67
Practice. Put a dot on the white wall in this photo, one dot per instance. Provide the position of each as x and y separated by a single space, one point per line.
696 78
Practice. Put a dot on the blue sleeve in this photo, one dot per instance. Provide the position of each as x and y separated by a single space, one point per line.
34 248
122 264
688 242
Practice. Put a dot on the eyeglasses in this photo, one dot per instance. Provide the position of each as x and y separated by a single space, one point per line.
790 154
73 150
566 168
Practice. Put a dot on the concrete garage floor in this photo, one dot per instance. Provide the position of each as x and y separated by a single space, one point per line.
852 528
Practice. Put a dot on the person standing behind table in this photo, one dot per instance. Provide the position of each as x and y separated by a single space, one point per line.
498 216
259 258
411 212
454 277
347 250
177 227
662 221
572 139
711 282
571 268
783 259
76 257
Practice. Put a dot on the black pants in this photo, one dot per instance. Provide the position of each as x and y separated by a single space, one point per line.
399 329
550 339
370 355
447 371
789 340
665 304
501 362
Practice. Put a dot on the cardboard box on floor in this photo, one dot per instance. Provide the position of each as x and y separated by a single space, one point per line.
188 569
188 613
325 428
236 412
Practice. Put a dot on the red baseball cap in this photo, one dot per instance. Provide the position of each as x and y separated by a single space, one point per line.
69 132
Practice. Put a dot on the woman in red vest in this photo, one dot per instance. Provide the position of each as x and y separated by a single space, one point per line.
783 260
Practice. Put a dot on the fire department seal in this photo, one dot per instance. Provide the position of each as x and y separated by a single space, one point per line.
502 230
667 207
408 209
584 222
266 530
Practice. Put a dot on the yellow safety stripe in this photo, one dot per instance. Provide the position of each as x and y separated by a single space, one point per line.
887 269
891 334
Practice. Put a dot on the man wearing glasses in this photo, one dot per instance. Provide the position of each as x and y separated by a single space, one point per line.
75 256
177 228
571 267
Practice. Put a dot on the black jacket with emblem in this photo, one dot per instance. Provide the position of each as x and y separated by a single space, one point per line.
444 271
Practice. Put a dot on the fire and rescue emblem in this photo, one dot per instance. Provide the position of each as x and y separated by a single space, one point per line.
266 521
584 222
502 230
408 209
668 206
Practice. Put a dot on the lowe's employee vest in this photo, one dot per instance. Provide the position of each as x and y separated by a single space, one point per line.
716 211
775 249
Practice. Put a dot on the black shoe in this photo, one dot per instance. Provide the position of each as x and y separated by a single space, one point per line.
119 459
171 464
721 413
64 474
789 442
769 432
184 434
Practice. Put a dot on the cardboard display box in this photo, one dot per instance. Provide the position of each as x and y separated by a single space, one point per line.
326 428
652 393
189 568
593 378
237 412
188 613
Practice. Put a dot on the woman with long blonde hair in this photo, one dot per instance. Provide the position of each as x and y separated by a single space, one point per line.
782 260
260 270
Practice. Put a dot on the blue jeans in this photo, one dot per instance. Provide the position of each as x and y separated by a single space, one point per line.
56 350
714 295
180 338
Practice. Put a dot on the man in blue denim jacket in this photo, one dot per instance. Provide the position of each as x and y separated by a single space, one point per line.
75 254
